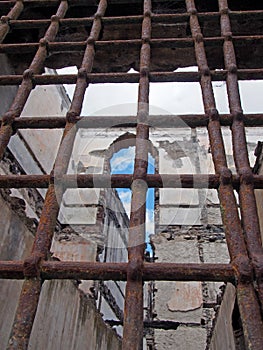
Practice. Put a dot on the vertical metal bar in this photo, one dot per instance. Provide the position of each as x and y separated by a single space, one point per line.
14 13
233 230
133 312
31 288
246 191
55 192
29 297
26 86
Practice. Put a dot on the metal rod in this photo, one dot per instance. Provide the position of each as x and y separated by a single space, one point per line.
246 192
29 296
118 271
155 77
230 216
13 14
155 43
156 18
123 181
161 121
133 310
54 194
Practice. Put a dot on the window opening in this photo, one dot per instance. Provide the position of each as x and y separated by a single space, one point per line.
122 162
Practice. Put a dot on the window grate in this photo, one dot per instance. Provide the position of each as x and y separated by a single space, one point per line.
243 235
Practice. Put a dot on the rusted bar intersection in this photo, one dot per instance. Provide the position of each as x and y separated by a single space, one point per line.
123 181
155 77
167 121
118 271
132 43
134 299
156 18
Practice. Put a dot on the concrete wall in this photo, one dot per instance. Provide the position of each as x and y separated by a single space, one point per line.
66 317
15 244
67 320
223 336
115 231
193 304
43 101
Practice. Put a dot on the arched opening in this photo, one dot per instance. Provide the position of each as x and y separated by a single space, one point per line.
121 161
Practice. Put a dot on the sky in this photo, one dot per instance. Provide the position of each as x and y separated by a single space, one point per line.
171 98
122 162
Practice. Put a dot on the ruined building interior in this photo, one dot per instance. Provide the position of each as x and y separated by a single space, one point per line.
131 175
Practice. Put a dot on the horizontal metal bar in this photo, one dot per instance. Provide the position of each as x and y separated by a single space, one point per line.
188 272
46 3
81 45
12 269
162 121
156 18
40 3
118 271
72 22
155 77
122 181
94 78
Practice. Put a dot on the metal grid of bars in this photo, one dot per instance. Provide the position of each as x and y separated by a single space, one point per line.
243 235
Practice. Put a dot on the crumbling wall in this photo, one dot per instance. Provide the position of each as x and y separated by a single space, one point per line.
192 304
68 320
67 315
16 242
223 336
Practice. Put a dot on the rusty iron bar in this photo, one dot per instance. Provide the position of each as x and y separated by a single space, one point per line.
13 14
47 3
250 315
167 121
155 77
55 192
75 3
211 181
226 194
230 216
133 43
247 199
25 314
12 269
156 271
156 18
118 271
28 301
44 3
20 334
133 309
26 86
